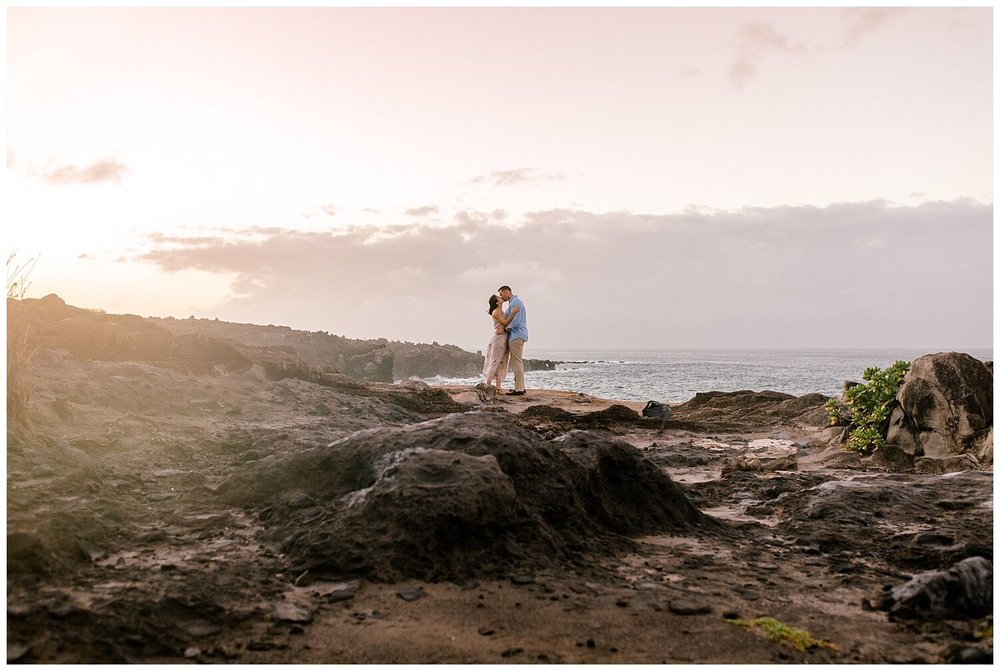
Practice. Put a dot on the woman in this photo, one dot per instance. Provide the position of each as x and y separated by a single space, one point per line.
495 368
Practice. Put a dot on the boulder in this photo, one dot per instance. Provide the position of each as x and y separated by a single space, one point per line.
462 495
964 591
945 408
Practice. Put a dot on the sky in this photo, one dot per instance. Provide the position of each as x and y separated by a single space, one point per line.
655 177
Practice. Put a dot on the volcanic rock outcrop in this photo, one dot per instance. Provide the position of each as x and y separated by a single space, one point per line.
378 360
210 345
467 494
945 408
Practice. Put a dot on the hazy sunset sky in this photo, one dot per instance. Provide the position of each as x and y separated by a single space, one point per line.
654 177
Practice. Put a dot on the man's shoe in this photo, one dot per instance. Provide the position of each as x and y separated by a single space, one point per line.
515 393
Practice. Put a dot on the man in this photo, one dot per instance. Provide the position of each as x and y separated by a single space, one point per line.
518 335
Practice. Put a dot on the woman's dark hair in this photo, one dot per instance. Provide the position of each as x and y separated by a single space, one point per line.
494 302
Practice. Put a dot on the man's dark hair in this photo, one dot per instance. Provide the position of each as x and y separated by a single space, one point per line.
505 287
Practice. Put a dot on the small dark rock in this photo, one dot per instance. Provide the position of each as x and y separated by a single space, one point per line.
411 593
656 409
969 655
261 646
934 538
338 591
687 607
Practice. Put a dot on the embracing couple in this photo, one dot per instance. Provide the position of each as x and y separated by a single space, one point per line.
510 332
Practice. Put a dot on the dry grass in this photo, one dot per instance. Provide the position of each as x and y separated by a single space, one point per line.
20 350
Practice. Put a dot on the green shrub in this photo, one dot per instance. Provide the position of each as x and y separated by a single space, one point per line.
869 407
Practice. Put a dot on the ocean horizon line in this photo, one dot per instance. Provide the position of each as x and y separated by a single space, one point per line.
612 350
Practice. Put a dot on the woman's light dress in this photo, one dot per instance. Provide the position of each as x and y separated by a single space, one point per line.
497 356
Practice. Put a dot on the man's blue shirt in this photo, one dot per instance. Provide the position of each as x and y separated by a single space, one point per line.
518 327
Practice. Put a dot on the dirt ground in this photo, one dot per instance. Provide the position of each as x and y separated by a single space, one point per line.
119 549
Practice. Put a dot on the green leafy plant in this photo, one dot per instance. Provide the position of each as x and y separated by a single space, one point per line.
779 632
869 406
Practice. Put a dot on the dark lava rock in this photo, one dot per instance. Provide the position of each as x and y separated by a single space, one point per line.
614 416
611 414
877 513
467 494
742 408
547 412
964 591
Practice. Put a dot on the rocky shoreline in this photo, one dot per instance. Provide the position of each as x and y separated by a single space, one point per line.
378 360
177 496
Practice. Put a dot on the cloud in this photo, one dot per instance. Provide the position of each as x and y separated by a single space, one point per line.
475 219
104 170
422 211
867 274
758 39
517 176
485 275
862 21
328 210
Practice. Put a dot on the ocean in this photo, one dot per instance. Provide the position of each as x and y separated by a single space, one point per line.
675 376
